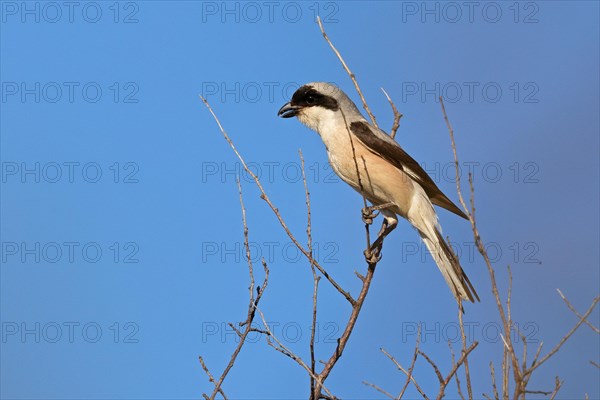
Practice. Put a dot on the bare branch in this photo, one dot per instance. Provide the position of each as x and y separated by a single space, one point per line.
397 115
545 393
279 346
360 183
266 198
380 390
537 353
494 387
565 338
505 372
481 249
253 302
456 164
557 385
210 379
454 369
407 373
453 359
463 338
316 279
588 323
343 340
352 76
412 364
435 367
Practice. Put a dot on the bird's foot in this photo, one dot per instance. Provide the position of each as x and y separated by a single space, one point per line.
369 214
373 255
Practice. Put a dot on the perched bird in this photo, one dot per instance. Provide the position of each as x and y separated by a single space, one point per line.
377 167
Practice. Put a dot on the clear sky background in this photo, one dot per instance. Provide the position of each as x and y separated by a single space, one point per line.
122 256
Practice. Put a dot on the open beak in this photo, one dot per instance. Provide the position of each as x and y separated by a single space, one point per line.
288 111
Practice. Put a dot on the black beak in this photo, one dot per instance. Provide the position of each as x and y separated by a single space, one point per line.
288 111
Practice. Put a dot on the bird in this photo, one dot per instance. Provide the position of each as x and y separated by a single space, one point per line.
377 167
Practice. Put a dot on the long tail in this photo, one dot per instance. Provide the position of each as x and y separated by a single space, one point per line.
450 268
423 217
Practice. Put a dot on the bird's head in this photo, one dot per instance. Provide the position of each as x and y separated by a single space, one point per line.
316 102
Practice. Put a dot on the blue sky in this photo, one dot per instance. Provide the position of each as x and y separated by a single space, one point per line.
121 236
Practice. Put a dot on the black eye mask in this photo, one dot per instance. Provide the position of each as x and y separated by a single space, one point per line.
307 96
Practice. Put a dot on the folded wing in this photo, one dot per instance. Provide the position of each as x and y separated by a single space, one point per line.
384 146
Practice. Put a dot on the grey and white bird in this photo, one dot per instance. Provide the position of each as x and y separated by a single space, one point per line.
375 165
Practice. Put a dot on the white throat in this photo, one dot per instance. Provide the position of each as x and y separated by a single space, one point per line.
327 123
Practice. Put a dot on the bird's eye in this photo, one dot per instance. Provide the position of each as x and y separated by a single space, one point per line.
310 99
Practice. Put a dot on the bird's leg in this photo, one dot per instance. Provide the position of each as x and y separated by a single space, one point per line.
373 253
387 226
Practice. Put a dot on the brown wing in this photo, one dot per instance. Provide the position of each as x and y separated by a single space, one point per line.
393 153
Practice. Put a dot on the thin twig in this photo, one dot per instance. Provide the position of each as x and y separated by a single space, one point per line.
211 379
494 387
453 359
280 347
463 338
360 183
316 279
524 361
545 393
412 363
401 368
557 385
397 115
505 372
435 367
343 340
454 369
350 73
482 250
588 323
537 353
253 302
565 338
380 390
